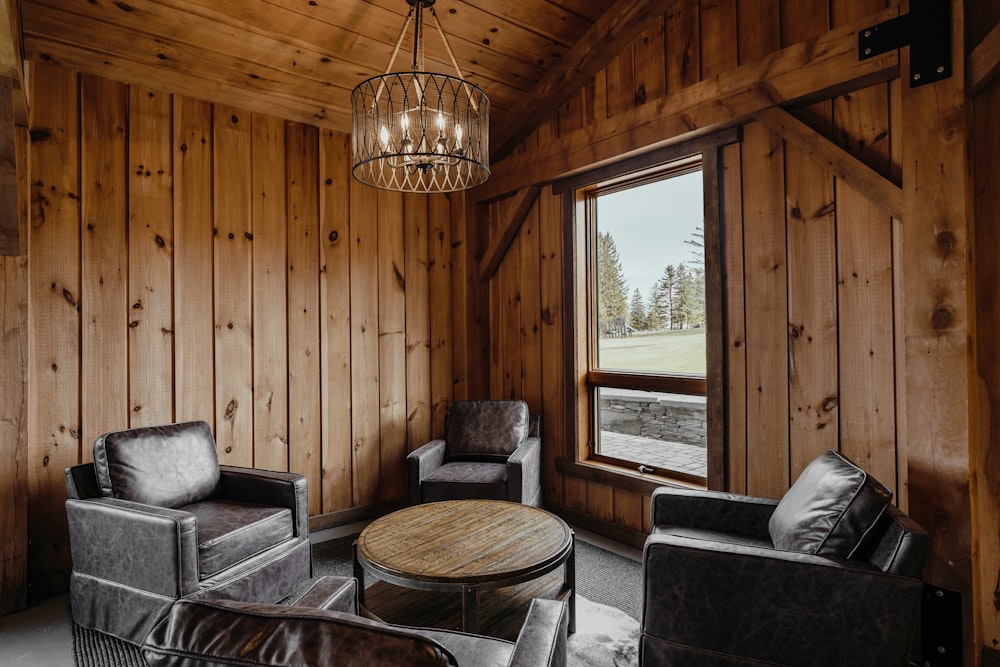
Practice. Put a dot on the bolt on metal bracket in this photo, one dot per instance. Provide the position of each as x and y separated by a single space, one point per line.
926 30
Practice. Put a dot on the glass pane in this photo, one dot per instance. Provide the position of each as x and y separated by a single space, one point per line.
666 431
650 277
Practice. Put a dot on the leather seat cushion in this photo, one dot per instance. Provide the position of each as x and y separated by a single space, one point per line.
711 535
466 479
485 428
830 509
230 532
225 632
165 466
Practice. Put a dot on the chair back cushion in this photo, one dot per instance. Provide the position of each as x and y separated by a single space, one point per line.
166 466
485 430
223 632
830 509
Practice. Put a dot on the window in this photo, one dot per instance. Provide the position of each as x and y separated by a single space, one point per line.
646 320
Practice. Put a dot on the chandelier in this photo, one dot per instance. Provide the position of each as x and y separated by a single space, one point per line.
418 131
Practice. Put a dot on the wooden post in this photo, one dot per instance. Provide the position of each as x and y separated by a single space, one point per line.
935 301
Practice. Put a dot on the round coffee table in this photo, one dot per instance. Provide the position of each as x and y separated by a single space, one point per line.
466 546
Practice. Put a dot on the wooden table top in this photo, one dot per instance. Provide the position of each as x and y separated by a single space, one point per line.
465 542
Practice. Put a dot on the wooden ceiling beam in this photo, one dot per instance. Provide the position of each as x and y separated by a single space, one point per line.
505 235
983 64
845 167
622 23
809 71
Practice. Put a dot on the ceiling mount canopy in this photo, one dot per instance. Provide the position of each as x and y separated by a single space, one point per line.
418 131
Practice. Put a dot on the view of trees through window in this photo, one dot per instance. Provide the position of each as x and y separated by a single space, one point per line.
649 318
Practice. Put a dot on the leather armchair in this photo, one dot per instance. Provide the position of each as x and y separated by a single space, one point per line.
829 575
323 628
490 450
155 518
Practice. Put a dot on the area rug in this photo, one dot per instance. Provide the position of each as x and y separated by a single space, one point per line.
606 636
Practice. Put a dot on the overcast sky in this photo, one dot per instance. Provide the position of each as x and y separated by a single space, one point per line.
650 224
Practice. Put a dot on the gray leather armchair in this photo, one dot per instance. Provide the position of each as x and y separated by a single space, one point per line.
490 450
323 628
829 575
155 518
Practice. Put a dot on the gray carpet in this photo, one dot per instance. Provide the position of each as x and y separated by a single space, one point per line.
607 585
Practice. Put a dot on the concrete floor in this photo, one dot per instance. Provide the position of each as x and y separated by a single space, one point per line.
42 636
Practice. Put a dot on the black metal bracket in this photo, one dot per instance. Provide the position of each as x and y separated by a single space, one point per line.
926 30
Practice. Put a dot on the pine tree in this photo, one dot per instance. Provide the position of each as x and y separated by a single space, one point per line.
637 312
612 290
664 298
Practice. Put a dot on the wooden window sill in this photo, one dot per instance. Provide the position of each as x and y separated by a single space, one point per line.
619 477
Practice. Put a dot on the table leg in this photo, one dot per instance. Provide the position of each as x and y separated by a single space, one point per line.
470 609
571 582
359 574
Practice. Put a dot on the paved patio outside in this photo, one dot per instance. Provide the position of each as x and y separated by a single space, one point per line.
689 459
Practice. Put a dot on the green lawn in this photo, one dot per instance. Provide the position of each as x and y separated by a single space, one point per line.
663 351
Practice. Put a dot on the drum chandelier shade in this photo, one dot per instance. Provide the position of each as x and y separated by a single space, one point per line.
419 131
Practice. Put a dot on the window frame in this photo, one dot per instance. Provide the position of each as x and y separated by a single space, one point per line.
579 460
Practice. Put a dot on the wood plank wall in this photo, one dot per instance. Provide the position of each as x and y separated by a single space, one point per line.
801 246
984 19
191 261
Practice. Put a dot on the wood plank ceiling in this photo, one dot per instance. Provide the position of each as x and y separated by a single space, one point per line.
300 59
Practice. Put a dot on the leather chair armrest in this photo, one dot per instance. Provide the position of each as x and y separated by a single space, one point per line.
524 473
332 594
542 641
420 463
268 487
770 605
712 510
150 548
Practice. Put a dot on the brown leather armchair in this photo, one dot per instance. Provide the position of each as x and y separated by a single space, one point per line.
490 450
155 518
323 628
829 575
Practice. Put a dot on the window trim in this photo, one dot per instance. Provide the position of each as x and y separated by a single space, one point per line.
577 461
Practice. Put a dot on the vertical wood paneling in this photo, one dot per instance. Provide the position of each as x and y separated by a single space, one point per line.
364 343
150 257
735 317
767 298
248 264
418 324
758 29
53 319
718 37
649 52
531 343
510 320
104 256
439 252
335 311
986 499
233 279
550 280
683 45
865 257
194 328
935 247
270 326
391 347
812 272
619 79
303 316
14 399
